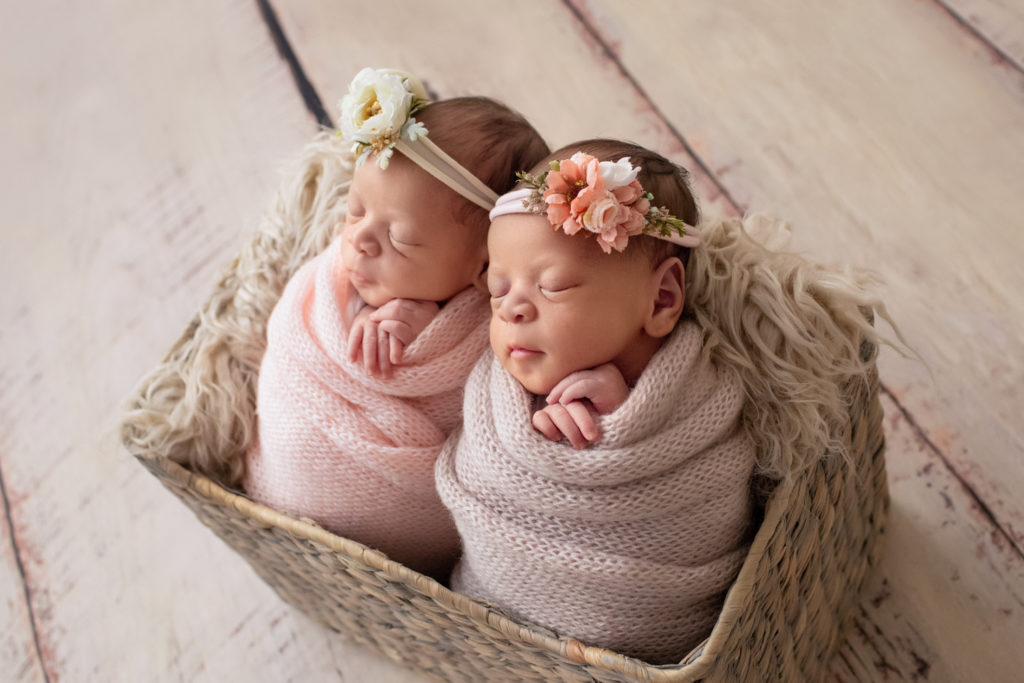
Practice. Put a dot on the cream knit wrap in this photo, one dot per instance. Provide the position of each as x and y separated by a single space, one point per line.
629 544
352 452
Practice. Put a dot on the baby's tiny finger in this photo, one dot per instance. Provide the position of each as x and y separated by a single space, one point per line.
383 355
355 343
565 423
580 389
396 350
555 395
370 349
543 424
583 418
398 329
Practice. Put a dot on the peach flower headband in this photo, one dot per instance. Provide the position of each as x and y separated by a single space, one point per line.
601 197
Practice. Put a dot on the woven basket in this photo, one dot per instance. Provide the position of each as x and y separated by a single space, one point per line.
781 620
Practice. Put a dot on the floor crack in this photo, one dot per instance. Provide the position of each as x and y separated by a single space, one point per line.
24 578
977 33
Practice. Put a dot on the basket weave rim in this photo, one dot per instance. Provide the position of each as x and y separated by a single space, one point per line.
570 648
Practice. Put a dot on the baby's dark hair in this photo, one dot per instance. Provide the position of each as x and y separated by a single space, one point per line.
489 139
668 182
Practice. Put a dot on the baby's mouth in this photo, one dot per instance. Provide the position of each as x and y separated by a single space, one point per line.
522 352
358 279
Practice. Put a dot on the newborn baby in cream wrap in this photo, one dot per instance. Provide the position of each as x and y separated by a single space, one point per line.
601 482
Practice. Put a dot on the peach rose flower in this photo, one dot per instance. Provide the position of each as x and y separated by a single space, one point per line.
602 215
593 192
627 194
563 187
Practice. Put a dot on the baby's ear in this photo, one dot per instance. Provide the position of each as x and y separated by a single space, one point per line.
667 292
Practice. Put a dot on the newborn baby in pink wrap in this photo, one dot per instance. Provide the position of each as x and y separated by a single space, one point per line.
371 343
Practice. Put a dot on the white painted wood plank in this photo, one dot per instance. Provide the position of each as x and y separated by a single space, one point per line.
141 142
1000 21
948 587
891 141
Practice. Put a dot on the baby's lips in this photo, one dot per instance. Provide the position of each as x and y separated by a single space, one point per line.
359 279
521 352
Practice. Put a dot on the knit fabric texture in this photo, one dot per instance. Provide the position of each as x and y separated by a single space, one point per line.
352 452
628 544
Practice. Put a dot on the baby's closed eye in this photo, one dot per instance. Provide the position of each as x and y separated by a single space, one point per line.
497 287
555 287
355 209
401 240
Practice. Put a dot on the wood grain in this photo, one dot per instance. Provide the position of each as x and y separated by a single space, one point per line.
144 143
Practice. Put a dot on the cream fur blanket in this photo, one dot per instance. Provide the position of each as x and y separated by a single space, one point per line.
628 544
353 452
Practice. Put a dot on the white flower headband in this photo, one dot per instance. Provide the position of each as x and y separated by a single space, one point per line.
377 117
601 197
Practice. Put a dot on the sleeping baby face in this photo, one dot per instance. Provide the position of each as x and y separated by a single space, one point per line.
559 304
401 237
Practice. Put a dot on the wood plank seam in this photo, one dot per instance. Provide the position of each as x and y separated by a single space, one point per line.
589 28
302 82
24 579
965 24
982 507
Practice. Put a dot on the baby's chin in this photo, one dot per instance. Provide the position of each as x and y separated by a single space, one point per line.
532 382
372 296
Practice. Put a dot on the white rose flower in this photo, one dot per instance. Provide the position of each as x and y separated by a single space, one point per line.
617 174
378 104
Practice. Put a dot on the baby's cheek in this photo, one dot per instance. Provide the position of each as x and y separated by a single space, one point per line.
495 331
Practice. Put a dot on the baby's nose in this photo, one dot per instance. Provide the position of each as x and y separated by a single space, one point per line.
363 239
516 309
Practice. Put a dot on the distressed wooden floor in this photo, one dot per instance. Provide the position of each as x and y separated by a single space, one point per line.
140 141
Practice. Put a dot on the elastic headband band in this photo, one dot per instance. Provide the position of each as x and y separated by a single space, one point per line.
439 164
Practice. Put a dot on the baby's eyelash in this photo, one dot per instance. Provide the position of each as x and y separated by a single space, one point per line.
397 241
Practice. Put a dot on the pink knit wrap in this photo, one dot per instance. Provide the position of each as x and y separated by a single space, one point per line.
629 544
352 452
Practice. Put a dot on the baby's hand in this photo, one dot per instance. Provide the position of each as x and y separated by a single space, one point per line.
573 403
573 421
380 335
603 386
